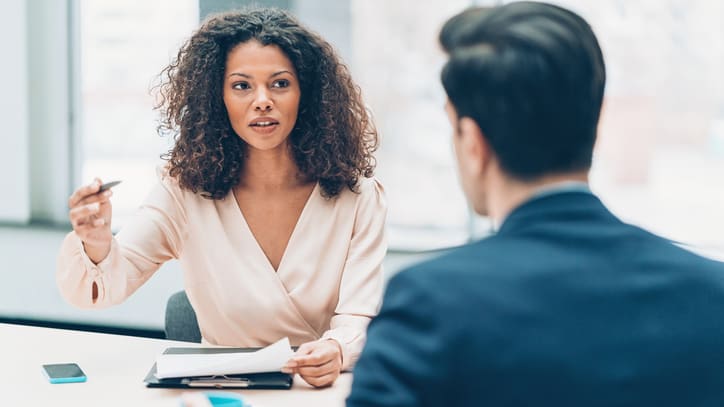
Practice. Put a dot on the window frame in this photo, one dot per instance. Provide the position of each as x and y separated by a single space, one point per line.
48 111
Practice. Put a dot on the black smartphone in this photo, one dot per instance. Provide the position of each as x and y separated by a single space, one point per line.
108 185
64 373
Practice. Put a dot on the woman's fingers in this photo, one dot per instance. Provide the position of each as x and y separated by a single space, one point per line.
90 216
322 381
83 215
305 348
102 197
319 363
91 224
316 353
84 192
96 206
321 375
317 371
313 359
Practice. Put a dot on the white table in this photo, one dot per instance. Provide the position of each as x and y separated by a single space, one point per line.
115 366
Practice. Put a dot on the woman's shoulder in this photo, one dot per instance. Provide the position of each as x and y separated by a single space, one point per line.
172 186
368 191
167 181
370 185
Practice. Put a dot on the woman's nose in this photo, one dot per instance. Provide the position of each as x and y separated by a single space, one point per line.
262 101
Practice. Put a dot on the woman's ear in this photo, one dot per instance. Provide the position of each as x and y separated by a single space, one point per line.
473 150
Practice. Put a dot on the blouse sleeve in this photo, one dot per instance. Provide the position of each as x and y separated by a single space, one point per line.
362 282
152 236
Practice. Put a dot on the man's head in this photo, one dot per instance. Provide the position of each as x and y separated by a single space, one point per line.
526 79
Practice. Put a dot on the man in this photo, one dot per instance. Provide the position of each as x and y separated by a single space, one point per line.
565 305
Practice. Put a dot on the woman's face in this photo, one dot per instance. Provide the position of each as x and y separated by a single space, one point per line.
261 94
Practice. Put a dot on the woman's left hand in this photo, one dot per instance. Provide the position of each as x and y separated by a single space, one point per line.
319 362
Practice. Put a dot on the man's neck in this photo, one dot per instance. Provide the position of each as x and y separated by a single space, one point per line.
507 194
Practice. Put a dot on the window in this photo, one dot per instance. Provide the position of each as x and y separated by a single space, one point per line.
660 153
397 64
124 46
13 112
661 140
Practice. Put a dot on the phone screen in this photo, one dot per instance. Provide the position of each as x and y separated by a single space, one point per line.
64 373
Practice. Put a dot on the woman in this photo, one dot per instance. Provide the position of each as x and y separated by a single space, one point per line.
266 200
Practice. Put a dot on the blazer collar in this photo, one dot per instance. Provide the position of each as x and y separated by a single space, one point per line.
551 189
560 205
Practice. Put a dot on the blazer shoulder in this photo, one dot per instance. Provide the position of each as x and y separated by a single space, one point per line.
450 269
484 253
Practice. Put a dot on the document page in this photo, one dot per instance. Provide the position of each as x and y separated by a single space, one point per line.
269 359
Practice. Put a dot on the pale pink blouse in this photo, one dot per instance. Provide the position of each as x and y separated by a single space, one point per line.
328 284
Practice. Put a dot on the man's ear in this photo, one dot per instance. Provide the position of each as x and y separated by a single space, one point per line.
474 147
601 122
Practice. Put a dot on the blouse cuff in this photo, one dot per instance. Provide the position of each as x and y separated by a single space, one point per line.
349 355
95 271
88 263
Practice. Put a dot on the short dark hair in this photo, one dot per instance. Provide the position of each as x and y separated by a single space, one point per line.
458 27
532 76
332 141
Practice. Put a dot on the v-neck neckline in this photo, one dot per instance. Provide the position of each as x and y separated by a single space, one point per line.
259 249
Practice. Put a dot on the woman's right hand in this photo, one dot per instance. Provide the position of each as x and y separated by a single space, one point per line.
90 215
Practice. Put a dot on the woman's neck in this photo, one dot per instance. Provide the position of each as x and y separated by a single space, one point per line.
270 170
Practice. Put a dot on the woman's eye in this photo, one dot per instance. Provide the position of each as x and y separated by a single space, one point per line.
241 86
282 83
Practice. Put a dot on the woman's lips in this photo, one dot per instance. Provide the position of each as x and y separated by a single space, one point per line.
264 126
263 123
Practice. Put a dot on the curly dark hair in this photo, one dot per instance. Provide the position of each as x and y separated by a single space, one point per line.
332 141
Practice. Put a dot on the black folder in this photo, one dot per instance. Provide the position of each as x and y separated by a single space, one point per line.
271 380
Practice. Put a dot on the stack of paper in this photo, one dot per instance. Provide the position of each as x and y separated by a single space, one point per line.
269 359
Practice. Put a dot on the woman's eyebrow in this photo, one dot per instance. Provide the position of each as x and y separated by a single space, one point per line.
281 72
243 75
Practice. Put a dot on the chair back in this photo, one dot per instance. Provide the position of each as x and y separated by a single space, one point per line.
181 323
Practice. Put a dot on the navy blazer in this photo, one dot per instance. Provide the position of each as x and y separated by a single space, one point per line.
565 306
